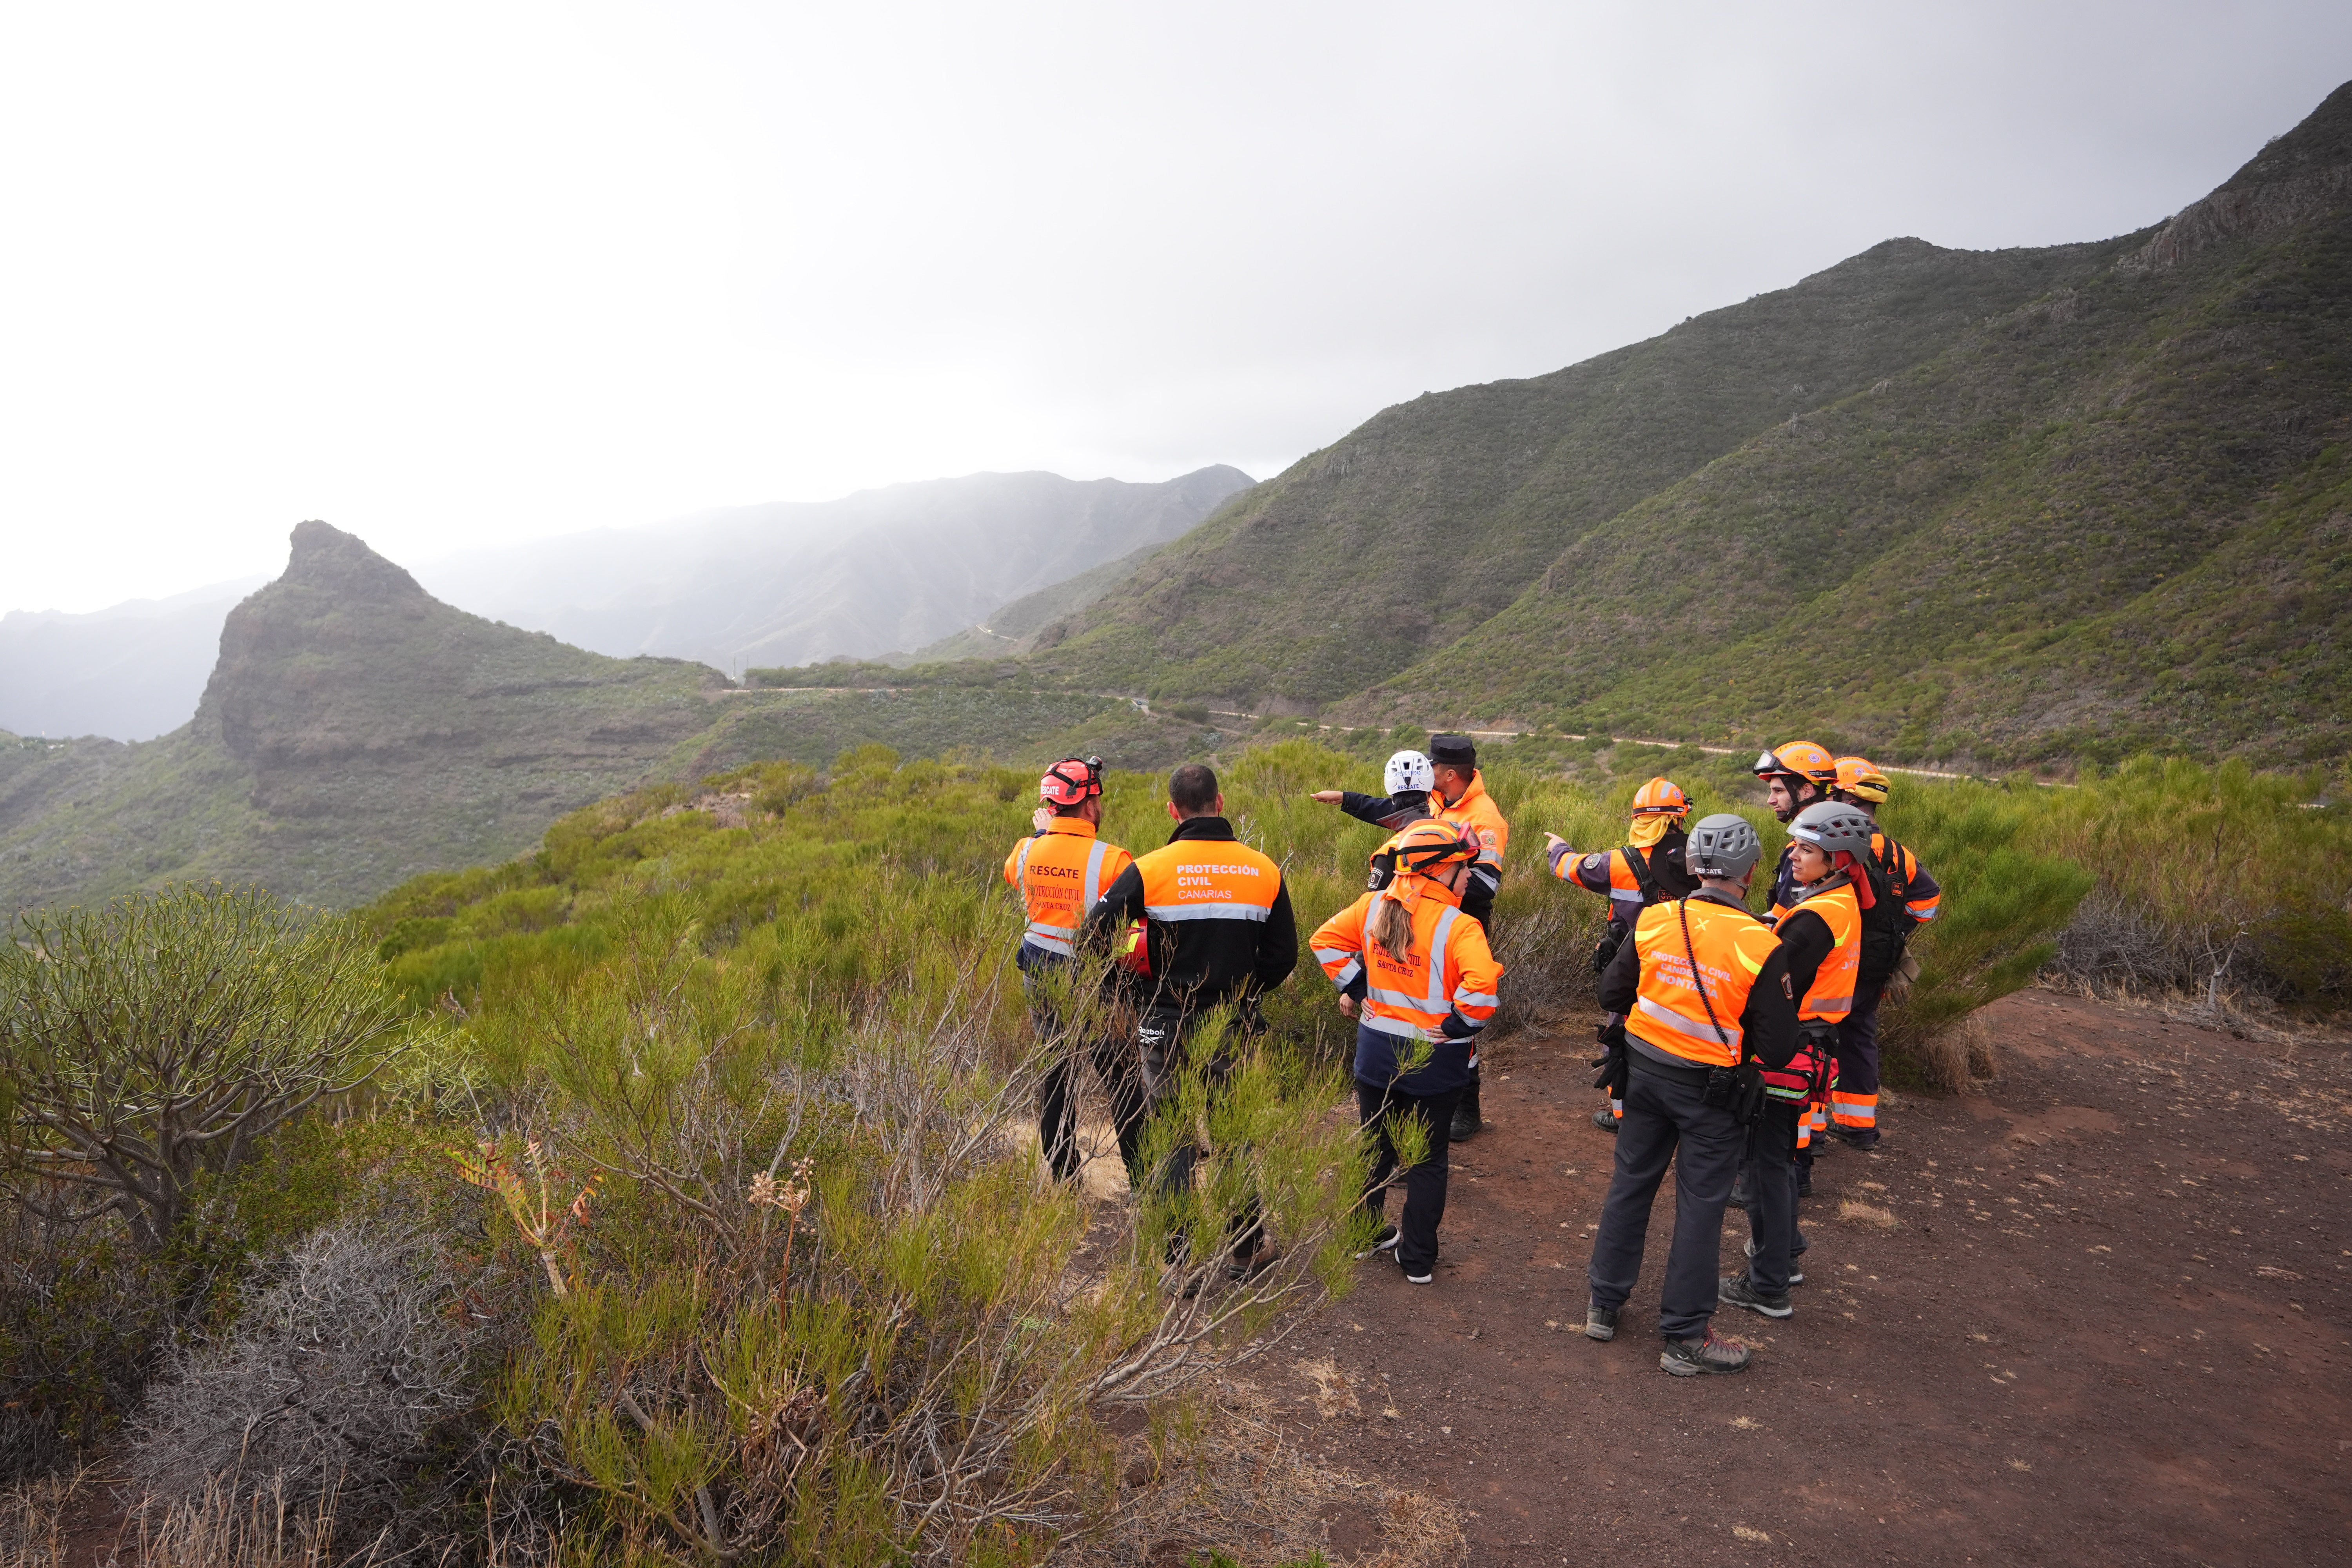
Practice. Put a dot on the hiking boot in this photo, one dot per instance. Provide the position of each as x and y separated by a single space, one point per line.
1255 1264
1384 1242
1796 1275
1600 1322
1740 1290
1605 1119
1466 1121
1864 1142
1741 1196
1804 1181
1691 1358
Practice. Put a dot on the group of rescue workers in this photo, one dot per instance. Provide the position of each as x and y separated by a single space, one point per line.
1731 1044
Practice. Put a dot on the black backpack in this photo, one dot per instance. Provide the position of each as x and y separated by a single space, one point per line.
1887 924
1614 936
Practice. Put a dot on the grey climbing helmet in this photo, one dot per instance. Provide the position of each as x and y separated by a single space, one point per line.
1834 827
1722 846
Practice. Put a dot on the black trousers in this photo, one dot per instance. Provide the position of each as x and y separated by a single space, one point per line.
1113 1055
1058 1101
1161 1042
1773 1196
1425 1183
1667 1121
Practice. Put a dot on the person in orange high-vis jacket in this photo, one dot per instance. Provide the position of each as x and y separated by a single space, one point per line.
1219 931
1461 798
1914 900
1646 870
1703 986
1821 936
1418 974
1061 873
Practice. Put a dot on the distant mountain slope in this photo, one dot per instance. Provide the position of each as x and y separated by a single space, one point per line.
1436 514
1012 628
130 671
356 732
2116 517
872 573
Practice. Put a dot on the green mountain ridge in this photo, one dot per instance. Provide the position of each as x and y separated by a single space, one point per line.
1989 507
2108 520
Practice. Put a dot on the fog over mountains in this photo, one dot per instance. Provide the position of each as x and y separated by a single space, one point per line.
130 671
882 572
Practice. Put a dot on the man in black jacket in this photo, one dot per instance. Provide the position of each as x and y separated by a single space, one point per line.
1218 931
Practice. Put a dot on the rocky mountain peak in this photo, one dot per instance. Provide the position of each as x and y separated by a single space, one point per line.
326 558
2321 142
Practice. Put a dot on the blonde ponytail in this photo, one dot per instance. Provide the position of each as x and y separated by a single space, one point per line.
1391 927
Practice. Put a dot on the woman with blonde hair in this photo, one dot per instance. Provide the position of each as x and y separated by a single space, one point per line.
1417 974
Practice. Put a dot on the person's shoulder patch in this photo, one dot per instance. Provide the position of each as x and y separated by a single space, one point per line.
1598 863
1786 989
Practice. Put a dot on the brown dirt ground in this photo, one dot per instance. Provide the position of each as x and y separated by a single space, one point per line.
2108 1325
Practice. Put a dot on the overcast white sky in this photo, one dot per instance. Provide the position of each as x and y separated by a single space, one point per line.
450 274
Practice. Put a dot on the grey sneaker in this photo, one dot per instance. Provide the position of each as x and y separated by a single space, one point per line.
1740 1290
1605 1119
1600 1322
1691 1358
1384 1242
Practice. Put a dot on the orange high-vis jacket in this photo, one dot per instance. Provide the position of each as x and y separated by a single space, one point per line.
1731 946
1830 996
1476 811
1060 874
1448 973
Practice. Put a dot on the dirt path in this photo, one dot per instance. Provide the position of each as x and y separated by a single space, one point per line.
2109 1325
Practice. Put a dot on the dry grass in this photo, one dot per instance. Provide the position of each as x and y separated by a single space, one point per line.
1856 1212
1246 1491
71 1521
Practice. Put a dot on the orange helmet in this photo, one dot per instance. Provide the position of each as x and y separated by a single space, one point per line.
1661 797
1801 759
1860 778
1424 846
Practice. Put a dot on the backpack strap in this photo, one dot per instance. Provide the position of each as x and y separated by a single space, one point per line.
1643 874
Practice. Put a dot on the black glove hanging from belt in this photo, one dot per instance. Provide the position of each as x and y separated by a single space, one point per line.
1612 1061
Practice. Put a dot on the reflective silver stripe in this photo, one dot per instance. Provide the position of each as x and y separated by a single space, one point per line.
1684 1026
1021 871
1620 895
1331 954
1046 928
1401 1030
1052 943
1476 999
1347 977
1445 919
1397 999
1828 1005
1094 874
1206 911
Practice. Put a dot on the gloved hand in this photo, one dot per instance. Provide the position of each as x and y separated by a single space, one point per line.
1612 1061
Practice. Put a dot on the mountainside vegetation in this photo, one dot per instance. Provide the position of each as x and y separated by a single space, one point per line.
2033 506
